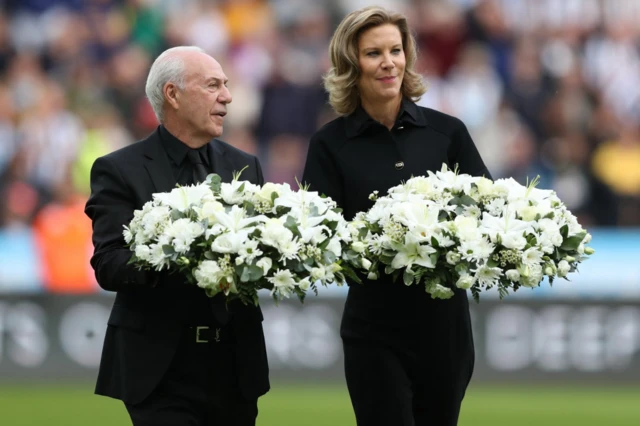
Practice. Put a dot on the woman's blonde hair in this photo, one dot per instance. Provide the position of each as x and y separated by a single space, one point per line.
341 80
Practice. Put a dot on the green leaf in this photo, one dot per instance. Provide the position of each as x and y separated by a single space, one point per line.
434 242
176 214
255 273
246 274
215 184
491 263
572 243
407 277
250 208
292 225
274 197
329 257
564 231
466 200
240 190
348 272
323 245
168 249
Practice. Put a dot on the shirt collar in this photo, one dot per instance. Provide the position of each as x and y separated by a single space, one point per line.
177 150
359 121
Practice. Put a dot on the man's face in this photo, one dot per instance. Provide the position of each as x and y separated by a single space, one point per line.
203 101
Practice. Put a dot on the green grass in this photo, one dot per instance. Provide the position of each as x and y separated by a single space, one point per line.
286 405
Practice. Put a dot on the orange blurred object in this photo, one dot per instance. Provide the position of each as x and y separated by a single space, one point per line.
63 240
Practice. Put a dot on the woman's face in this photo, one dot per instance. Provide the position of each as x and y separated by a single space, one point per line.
382 63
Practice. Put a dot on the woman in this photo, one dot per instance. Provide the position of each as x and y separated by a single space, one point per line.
408 358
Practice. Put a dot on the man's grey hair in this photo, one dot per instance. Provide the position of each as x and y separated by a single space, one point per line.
167 67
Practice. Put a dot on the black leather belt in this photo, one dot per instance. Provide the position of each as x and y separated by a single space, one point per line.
209 334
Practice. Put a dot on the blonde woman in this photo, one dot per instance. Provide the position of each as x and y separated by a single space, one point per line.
408 358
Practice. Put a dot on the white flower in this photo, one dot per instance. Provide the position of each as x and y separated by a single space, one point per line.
128 235
488 276
283 282
289 249
274 233
319 273
208 210
472 211
265 193
465 282
456 182
532 256
183 233
476 250
208 274
438 291
335 247
358 246
421 185
411 252
230 242
237 191
513 275
153 222
496 207
545 243
534 276
466 228
366 263
453 258
157 258
304 284
509 229
249 251
265 263
182 198
563 268
236 219
443 239
485 186
143 252
528 213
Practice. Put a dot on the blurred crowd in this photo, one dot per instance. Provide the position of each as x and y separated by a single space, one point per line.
546 87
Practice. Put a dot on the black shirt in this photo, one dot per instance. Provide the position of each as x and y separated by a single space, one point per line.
177 152
352 156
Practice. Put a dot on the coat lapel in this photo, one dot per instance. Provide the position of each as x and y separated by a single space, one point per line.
220 161
157 164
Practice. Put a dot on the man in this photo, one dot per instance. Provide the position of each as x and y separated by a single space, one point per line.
171 354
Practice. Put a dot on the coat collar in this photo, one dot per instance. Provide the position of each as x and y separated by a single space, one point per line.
359 121
159 169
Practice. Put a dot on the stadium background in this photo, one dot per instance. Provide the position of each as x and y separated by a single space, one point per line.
546 87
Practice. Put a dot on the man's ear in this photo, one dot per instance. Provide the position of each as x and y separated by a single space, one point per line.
171 94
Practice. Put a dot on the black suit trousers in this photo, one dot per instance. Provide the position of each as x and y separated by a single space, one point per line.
199 389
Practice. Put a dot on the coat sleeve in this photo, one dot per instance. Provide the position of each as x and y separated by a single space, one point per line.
321 171
110 207
464 153
259 175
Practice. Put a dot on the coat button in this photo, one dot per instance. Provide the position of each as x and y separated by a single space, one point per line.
401 127
399 165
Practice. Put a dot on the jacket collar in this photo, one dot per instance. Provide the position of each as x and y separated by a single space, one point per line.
359 121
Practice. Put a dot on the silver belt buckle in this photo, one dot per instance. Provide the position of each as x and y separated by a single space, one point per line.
198 330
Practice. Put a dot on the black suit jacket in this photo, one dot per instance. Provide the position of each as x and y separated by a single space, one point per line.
147 318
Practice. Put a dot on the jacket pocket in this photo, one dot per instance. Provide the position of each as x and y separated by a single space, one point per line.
126 318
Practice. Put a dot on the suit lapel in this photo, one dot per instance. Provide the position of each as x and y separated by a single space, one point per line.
157 164
220 161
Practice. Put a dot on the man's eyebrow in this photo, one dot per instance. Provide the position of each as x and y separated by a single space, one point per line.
217 80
